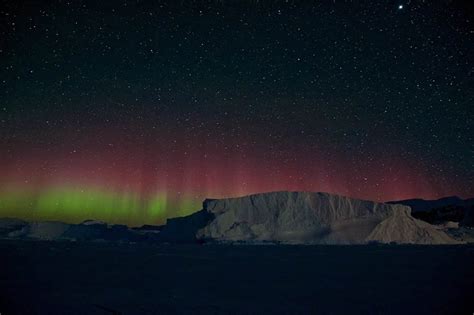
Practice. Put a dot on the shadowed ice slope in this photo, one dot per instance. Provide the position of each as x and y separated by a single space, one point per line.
315 218
286 217
442 210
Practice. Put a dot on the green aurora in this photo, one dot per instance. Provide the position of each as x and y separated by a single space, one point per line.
74 205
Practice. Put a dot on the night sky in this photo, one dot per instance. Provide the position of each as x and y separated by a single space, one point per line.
135 111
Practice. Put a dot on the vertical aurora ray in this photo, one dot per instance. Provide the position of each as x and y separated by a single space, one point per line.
75 205
156 207
147 129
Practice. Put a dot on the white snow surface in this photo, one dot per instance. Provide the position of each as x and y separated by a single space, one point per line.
315 218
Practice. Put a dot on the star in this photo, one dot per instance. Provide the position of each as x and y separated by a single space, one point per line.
269 97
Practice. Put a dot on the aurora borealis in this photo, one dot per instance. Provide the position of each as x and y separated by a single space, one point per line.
134 112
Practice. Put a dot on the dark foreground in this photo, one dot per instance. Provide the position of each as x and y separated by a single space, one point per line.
99 278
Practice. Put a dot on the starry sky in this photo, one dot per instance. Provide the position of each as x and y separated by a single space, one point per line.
135 111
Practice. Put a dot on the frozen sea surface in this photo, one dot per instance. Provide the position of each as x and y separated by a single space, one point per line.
41 277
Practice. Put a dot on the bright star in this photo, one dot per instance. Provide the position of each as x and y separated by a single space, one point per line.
400 7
